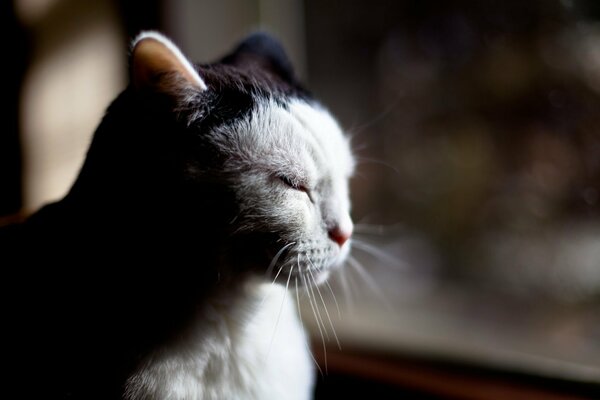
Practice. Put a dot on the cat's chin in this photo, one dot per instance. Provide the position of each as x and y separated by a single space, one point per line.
321 276
305 266
313 276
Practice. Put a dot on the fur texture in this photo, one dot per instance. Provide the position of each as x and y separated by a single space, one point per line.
152 278
232 351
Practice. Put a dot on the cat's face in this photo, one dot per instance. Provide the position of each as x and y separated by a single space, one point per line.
294 165
282 156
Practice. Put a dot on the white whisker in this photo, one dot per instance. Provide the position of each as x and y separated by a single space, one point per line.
365 160
269 270
369 280
377 253
346 289
302 324
371 229
324 306
276 258
312 291
356 130
337 306
287 285
316 320
270 288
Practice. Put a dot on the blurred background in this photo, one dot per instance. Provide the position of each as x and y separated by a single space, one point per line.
476 263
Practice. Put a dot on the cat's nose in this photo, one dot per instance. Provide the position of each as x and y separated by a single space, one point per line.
340 235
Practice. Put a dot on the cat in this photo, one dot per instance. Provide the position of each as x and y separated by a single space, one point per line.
152 278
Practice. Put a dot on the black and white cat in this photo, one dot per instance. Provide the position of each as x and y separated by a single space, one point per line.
152 278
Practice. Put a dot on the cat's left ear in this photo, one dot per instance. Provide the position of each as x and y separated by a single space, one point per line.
265 52
158 64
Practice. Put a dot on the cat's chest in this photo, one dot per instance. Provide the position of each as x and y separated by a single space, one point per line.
234 354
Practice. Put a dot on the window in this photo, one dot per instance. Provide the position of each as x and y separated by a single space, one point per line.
477 198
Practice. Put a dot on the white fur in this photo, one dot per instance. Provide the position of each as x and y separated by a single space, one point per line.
237 349
233 352
185 63
304 142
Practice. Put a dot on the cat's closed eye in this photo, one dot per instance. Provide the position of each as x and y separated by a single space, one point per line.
295 184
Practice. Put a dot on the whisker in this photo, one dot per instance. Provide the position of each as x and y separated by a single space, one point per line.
270 288
346 289
324 306
356 130
356 148
276 258
370 281
377 253
287 285
337 306
310 287
317 320
372 229
302 324
365 160
270 269
369 229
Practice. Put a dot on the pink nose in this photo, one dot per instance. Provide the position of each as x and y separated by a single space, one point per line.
339 235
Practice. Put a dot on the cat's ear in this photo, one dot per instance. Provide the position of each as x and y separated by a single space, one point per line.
265 52
157 63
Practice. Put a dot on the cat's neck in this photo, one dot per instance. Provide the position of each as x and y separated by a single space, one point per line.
252 337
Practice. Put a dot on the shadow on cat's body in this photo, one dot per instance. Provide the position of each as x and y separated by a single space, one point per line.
96 280
142 282
110 272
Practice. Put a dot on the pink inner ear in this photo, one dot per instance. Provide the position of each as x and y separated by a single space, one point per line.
154 55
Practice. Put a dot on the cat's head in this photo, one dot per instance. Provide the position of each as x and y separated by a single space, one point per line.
254 133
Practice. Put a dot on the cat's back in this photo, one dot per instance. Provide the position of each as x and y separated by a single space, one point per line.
49 227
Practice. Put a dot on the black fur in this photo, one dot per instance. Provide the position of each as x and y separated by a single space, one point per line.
265 52
96 280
